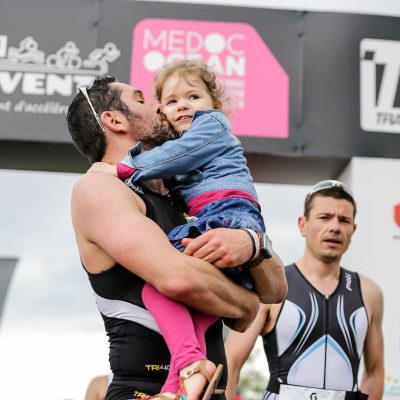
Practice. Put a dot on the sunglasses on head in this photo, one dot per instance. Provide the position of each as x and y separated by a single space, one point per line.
83 90
329 184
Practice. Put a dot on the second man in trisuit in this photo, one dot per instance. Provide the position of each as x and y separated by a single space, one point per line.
330 318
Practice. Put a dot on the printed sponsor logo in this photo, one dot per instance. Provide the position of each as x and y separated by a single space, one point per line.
348 281
140 395
256 84
379 85
28 70
157 367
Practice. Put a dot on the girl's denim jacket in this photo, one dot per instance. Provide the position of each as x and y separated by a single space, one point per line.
207 157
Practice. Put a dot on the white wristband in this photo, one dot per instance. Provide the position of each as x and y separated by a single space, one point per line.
256 243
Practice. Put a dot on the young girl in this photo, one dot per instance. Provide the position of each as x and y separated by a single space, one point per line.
210 173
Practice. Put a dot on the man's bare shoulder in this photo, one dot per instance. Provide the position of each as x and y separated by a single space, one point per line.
373 297
369 286
100 194
101 204
96 187
94 182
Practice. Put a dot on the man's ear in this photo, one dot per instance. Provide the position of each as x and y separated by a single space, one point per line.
113 120
302 222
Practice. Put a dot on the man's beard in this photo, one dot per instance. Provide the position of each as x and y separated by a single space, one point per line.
329 258
161 133
150 138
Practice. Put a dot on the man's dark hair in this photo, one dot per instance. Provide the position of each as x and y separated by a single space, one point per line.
336 192
85 131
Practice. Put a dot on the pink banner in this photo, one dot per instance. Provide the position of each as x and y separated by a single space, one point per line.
256 85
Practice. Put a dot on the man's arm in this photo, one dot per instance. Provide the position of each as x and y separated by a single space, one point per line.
270 280
372 381
232 247
111 228
238 347
97 388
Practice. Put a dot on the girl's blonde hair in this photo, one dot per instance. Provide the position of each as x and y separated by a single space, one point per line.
185 67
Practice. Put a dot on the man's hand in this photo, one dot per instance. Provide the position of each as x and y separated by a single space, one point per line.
221 246
226 247
103 167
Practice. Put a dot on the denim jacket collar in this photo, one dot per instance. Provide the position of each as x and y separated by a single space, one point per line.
136 150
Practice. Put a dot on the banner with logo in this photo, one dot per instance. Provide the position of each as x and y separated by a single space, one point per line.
253 79
297 85
375 248
351 85
46 49
254 52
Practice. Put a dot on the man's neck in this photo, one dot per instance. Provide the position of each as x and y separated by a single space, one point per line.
118 147
324 276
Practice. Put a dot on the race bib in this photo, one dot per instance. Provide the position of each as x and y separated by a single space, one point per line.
290 392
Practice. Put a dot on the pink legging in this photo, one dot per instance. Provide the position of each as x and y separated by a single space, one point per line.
183 331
